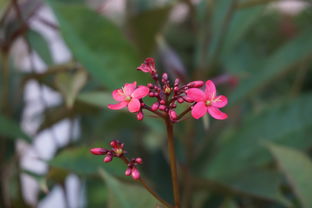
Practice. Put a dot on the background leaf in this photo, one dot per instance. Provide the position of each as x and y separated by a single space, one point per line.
11 130
297 168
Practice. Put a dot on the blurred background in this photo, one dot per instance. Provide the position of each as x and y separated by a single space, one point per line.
60 60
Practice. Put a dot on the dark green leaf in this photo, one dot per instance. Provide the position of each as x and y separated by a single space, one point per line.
298 170
79 160
98 45
40 45
289 56
11 130
126 195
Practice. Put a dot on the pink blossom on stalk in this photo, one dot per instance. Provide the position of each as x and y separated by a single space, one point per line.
129 96
207 101
148 66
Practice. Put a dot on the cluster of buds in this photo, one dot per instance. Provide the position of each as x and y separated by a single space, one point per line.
118 151
168 96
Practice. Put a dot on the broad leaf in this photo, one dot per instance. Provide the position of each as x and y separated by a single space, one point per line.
40 45
70 84
297 168
11 130
126 195
79 160
98 45
289 56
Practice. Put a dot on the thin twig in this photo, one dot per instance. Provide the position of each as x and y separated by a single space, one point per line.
149 189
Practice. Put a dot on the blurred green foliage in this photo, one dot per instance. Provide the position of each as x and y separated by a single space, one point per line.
259 57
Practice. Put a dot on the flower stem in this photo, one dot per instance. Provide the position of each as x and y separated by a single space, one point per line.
149 189
173 164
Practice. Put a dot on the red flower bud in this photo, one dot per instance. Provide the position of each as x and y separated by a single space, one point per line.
139 160
98 151
107 159
155 106
128 172
196 84
140 115
173 115
135 173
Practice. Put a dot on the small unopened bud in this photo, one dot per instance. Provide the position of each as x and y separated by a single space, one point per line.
162 107
108 158
176 89
162 102
140 115
151 94
139 160
128 172
173 115
98 151
176 82
165 76
180 100
155 106
196 84
187 99
135 173
150 85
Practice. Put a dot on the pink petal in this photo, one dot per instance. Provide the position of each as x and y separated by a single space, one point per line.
199 110
129 88
220 101
210 90
143 68
134 105
216 113
118 95
195 94
117 106
140 92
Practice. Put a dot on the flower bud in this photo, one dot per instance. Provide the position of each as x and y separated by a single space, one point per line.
155 106
98 151
135 173
173 115
176 82
165 76
140 115
195 84
180 100
139 160
113 143
128 172
162 107
108 158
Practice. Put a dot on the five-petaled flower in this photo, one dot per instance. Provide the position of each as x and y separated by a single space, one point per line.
129 96
207 101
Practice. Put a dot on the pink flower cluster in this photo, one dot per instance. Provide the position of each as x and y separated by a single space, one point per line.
168 97
118 151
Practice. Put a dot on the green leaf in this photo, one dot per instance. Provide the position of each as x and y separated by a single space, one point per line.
70 84
145 26
98 45
287 123
40 45
11 130
100 99
289 56
297 168
79 160
242 21
280 123
126 195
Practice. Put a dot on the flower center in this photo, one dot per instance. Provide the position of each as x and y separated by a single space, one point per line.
128 98
208 103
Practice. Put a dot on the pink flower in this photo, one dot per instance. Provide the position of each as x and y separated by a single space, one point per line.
207 102
129 96
148 66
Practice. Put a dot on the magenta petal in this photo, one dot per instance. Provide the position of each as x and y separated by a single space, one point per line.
199 110
134 105
220 101
143 68
140 92
129 88
210 90
195 94
117 106
118 95
216 113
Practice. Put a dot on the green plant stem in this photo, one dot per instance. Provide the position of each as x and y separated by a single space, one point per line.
147 187
173 163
